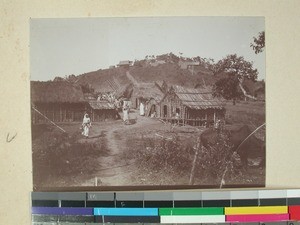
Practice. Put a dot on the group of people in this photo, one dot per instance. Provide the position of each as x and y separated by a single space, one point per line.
86 122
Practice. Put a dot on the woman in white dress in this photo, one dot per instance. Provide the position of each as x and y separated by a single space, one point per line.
125 112
142 109
86 124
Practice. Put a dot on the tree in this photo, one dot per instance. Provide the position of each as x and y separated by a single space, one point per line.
228 88
259 43
237 70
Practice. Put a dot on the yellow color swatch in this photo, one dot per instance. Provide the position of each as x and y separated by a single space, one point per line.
256 210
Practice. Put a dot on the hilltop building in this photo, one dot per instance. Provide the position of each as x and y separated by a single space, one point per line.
125 64
188 64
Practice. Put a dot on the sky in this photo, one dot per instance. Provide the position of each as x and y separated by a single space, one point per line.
60 47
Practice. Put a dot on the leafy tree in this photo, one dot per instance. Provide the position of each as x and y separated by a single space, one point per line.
237 69
228 88
259 43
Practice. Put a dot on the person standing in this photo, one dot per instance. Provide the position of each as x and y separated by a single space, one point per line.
142 109
86 124
125 113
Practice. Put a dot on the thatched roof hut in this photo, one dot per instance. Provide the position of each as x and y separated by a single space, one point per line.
195 107
64 102
103 110
197 98
148 91
56 92
58 101
98 105
144 92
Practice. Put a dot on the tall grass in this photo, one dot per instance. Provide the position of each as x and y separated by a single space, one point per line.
56 154
169 161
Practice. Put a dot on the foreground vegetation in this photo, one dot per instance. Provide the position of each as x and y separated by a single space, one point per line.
158 153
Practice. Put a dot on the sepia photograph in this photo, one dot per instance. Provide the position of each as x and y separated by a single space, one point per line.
148 102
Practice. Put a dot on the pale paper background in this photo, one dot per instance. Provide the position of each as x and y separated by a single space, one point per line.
283 89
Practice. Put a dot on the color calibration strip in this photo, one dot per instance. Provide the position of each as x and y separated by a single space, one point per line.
230 207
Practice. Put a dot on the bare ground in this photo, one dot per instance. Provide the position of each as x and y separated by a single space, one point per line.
108 169
107 157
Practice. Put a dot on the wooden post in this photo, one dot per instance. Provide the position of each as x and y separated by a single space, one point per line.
214 117
60 114
192 175
183 121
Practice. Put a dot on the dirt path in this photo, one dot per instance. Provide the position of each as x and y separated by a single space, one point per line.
114 171
110 166
112 143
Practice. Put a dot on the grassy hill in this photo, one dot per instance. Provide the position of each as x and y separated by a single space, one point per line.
169 72
99 79
172 74
144 71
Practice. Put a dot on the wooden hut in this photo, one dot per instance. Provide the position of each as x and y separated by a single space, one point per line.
103 110
195 107
148 93
63 102
58 101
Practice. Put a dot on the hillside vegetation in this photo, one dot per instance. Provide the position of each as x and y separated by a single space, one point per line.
166 68
172 74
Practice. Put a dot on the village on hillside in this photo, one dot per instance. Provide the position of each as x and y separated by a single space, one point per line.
156 121
67 99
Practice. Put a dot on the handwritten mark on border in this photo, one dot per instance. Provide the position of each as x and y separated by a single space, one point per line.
10 139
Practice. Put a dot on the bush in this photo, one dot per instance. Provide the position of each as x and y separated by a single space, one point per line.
168 155
218 161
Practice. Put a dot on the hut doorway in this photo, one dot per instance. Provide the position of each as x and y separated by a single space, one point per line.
152 111
177 111
165 111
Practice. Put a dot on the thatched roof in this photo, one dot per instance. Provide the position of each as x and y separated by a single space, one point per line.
197 98
55 92
110 85
101 105
113 86
147 91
